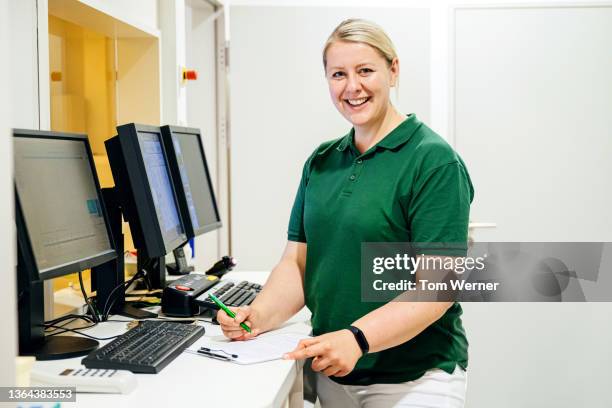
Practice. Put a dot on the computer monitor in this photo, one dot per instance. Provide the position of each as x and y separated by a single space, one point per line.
195 192
145 189
62 228
145 192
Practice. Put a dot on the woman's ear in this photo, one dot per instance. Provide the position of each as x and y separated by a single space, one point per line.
394 69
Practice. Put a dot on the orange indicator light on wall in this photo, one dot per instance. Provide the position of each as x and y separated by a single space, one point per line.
56 76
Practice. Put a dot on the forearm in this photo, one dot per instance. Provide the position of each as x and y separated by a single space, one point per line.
281 297
397 322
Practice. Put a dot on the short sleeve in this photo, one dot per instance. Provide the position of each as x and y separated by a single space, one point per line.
296 231
439 211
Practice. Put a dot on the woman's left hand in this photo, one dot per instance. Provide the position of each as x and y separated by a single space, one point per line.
334 353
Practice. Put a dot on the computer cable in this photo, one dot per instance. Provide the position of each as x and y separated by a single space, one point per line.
104 315
49 330
77 331
63 329
87 300
106 311
71 318
126 285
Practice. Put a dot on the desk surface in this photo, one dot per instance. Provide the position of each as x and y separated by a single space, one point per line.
192 380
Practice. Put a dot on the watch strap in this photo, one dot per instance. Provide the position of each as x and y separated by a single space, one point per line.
361 339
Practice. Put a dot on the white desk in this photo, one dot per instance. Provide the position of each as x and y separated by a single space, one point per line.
192 380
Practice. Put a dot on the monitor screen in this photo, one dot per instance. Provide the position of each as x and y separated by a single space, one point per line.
196 181
161 188
59 201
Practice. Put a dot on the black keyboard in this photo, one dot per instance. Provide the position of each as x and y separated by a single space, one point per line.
147 348
231 294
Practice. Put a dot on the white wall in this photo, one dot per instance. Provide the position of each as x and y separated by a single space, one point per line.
535 84
172 26
24 60
20 108
531 92
201 109
8 340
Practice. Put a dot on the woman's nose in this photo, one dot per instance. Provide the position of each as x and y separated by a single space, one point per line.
353 84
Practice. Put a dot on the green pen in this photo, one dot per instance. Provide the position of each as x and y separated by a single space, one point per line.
226 310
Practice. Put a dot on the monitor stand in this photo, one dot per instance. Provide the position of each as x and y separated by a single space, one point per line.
155 268
32 339
60 347
107 278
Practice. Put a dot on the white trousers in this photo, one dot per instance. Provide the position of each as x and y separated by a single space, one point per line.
435 389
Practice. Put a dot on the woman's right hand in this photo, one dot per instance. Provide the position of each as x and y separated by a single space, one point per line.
231 327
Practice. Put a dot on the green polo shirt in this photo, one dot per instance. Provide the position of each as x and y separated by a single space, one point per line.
410 187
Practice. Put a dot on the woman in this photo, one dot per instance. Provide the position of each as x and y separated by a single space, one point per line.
390 179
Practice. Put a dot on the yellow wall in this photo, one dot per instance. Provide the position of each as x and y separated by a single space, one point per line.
83 99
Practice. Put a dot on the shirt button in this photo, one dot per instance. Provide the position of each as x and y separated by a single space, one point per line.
353 177
359 161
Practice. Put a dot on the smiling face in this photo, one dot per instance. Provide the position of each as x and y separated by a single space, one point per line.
359 80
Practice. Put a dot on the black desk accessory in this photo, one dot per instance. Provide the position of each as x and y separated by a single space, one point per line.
223 266
180 267
178 298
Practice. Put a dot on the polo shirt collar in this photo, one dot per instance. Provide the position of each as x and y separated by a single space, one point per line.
398 136
346 141
401 134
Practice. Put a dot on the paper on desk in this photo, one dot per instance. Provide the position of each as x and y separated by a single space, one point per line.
265 348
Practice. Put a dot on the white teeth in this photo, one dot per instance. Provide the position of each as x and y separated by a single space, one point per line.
356 102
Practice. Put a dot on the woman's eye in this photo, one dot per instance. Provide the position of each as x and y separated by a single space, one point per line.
365 71
338 74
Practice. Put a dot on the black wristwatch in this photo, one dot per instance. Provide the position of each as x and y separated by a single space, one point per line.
361 339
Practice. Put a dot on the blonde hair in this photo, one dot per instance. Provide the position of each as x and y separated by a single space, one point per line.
362 31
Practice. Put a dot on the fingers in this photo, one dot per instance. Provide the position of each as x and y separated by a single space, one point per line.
240 334
320 363
234 334
247 336
308 351
242 313
231 326
331 370
302 345
329 352
308 342
326 365
341 373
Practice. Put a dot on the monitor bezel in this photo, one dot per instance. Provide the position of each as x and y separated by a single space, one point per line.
23 235
136 196
167 134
